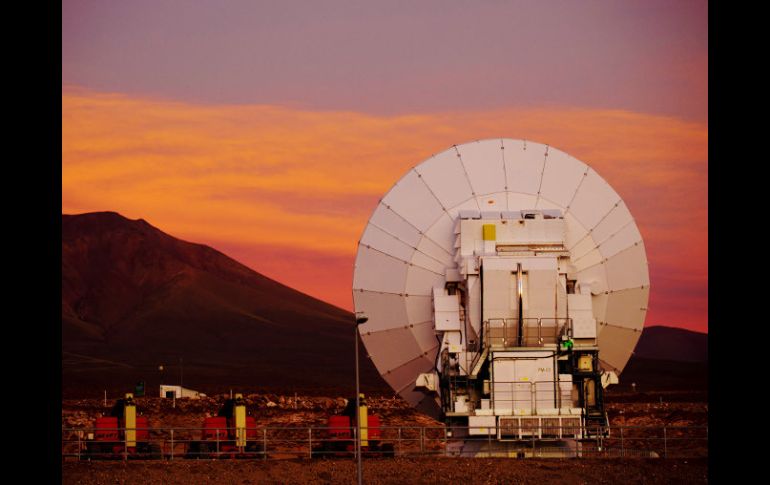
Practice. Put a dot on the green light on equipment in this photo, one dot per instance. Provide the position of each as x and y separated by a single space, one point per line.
567 345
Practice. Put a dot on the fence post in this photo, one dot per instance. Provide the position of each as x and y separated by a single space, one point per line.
310 442
598 443
422 440
264 443
489 443
399 441
172 444
79 445
622 449
217 442
665 443
533 444
601 439
578 448
446 442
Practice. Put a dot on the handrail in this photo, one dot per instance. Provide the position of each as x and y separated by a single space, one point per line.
547 333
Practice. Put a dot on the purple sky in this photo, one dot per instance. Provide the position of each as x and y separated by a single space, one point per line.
395 57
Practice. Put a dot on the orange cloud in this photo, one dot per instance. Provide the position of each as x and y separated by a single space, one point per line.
290 183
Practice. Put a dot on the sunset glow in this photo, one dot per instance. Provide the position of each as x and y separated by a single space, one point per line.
287 191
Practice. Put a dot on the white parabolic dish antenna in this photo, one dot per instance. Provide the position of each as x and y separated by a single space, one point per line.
409 245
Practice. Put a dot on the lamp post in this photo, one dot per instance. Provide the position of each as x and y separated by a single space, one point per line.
160 378
359 321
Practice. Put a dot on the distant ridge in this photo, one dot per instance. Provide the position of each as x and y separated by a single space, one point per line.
674 344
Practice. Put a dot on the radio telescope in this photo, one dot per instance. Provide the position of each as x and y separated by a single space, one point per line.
490 255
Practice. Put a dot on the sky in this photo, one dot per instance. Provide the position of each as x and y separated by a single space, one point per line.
270 130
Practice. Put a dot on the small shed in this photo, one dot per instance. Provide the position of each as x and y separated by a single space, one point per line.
172 391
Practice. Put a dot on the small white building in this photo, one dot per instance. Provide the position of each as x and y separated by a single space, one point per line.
171 391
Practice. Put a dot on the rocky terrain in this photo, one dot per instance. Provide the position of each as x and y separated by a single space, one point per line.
626 409
287 419
397 471
641 409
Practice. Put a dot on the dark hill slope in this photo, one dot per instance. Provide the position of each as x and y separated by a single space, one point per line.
134 297
669 343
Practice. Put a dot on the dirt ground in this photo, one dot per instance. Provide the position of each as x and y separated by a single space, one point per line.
624 409
392 471
271 410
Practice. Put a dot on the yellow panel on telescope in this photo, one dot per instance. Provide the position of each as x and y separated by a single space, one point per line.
489 231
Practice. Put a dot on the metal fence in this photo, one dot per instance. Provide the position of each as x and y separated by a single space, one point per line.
314 442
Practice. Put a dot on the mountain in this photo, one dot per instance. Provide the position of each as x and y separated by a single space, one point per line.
658 374
135 298
667 358
674 344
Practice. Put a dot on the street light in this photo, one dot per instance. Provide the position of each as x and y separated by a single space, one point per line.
360 320
160 385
